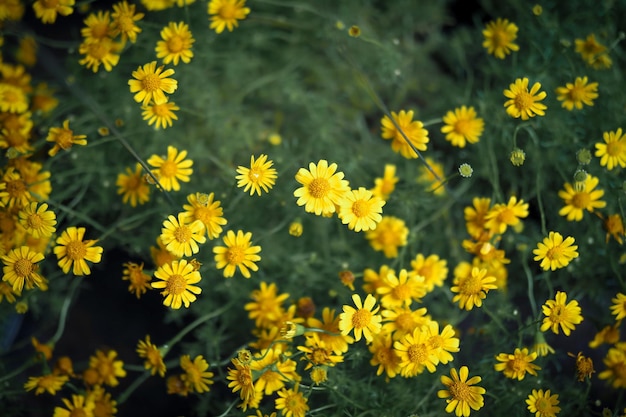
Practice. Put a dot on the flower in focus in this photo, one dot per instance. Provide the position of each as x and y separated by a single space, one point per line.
196 376
415 353
523 103
516 365
461 393
172 169
390 233
472 287
462 125
578 200
160 115
64 138
226 13
202 207
364 320
73 252
259 175
499 36
47 10
322 187
542 404
151 83
20 269
180 236
97 27
413 131
132 186
175 44
238 253
241 380
613 151
502 215
177 279
555 252
361 210
577 94
124 18
291 402
401 290
154 359
558 313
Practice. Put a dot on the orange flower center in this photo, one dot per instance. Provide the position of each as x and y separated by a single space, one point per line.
133 182
235 255
182 234
581 200
100 30
125 23
205 214
175 44
168 169
255 175
402 292
555 253
360 208
228 11
556 313
614 148
78 412
24 268
319 188
151 82
405 322
176 284
523 100
161 110
471 285
64 139
543 405
499 38
16 188
76 250
462 127
50 4
417 353
99 50
460 391
361 318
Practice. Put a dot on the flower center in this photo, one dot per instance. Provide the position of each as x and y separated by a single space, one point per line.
100 30
576 94
319 188
581 200
614 148
402 292
133 182
161 110
255 175
228 11
151 82
24 268
175 44
182 234
235 255
462 127
176 284
460 391
16 188
555 314
543 405
125 23
50 4
64 139
78 412
204 214
168 169
405 322
471 285
417 353
554 253
76 250
499 38
523 100
360 208
98 50
361 318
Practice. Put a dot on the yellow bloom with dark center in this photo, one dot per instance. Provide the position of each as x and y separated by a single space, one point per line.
97 27
20 269
259 175
47 10
6 291
79 406
471 286
139 280
177 279
124 18
589 48
413 130
171 169
619 306
180 236
559 313
196 376
64 138
577 201
202 207
555 252
432 269
13 99
317 353
160 115
461 394
384 355
542 404
323 187
415 353
132 187
523 103
266 307
273 370
502 215
383 187
361 210
331 336
241 380
462 125
98 52
238 253
578 93
153 357
291 402
73 252
400 321
363 320
151 84
107 367
499 38
441 343
14 191
175 44
516 365
613 151
615 363
390 233
401 290
37 221
224 14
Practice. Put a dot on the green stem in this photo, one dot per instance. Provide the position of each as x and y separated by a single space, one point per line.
64 310
531 292
495 319
136 383
230 407
542 213
18 371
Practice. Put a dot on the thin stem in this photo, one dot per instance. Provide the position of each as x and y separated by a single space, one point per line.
531 292
64 311
18 371
230 407
495 319
136 383
542 213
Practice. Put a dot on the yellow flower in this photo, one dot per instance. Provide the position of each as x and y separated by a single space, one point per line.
124 18
291 402
63 138
476 216
384 355
555 252
401 290
20 269
272 370
434 177
364 320
609 334
104 406
47 10
152 354
472 287
37 221
180 236
317 353
162 114
332 336
577 201
47 383
383 187
156 5
151 83
259 175
523 103
225 13
390 233
98 52
6 290
266 307
443 343
241 380
171 169
590 49
296 229
415 353
542 404
613 151
499 36
160 255
202 207
502 215
615 362
139 280
177 279
14 191
432 269
13 99
413 130
73 252
400 321
107 367
98 27
558 313
516 365
79 406
132 186
577 94
619 306
462 125
460 394
196 376
322 187
175 44
238 253
361 210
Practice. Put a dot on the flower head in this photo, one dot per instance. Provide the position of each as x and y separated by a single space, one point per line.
238 253
499 36
560 313
98 52
196 376
49 383
226 13
390 233
432 269
613 151
73 252
151 83
523 103
542 404
202 207
177 282
47 11
37 220
124 18
63 138
401 290
180 236
175 44
472 287
241 380
171 169
152 355
361 210
461 394
259 175
619 306
20 269
107 367
80 405
323 187
462 125
577 94
516 365
502 215
132 186
413 131
160 115
364 320
415 353
615 362
584 198
139 280
384 355
555 252
266 307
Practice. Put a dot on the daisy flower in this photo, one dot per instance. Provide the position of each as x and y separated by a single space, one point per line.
79 404
384 355
400 321
132 187
124 18
442 344
266 307
413 130
432 269
462 125
241 380
390 233
502 215
317 353
472 287
259 175
383 187
139 280
20 269
322 187
160 115
37 221
238 253
476 216
152 355
613 151
415 353
361 210
615 362
107 367
47 11
13 99
202 207
224 14
14 191
103 52
558 313
47 383
619 306
175 44
291 402
151 83
64 138
401 290
104 404
171 169
73 252
576 202
364 320
523 103
180 236
614 227
555 252
196 376
177 279
499 36
542 404
332 337
589 49
577 94
273 370
461 393
97 27
516 365
160 255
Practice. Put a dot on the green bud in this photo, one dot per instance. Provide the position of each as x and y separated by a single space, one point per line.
517 157
583 156
466 170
